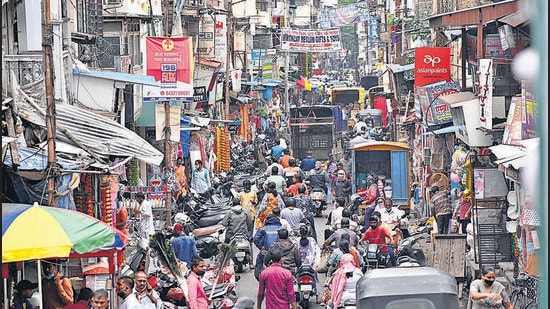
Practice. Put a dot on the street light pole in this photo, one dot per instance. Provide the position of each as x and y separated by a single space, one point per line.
287 64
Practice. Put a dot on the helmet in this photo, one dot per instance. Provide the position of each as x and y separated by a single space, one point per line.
236 201
290 202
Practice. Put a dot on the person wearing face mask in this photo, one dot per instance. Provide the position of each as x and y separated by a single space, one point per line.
57 291
145 294
376 234
197 298
124 290
488 293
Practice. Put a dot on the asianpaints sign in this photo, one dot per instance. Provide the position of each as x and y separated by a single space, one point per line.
431 64
170 62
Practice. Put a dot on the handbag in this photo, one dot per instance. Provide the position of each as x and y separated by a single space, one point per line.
322 265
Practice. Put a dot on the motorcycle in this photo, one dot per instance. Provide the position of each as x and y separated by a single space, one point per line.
243 256
306 285
374 258
136 256
319 197
410 255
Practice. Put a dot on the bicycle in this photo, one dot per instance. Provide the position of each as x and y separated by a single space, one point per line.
524 293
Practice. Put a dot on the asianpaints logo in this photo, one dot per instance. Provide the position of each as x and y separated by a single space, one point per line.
433 60
168 44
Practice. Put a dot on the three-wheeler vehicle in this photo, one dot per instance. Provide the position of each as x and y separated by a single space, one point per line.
419 287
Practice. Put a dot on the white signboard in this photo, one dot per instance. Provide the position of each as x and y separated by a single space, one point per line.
485 95
296 40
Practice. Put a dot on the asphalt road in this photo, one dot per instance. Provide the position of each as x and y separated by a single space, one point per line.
248 285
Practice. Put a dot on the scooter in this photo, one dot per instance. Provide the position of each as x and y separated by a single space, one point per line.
243 256
135 255
319 197
408 254
306 285
374 258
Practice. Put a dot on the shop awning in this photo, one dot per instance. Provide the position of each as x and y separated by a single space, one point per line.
515 19
445 130
98 136
509 155
118 76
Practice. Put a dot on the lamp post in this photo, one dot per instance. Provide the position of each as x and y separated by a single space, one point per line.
287 64
228 57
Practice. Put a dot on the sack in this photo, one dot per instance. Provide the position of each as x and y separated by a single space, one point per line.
322 265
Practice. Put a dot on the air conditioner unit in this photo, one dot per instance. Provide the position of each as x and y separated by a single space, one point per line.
112 2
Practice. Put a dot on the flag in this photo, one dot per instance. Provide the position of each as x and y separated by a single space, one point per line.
303 83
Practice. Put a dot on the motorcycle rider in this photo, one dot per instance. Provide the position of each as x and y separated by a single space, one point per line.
293 215
270 165
344 281
393 217
237 221
318 177
346 213
308 163
292 257
264 238
337 235
376 234
310 253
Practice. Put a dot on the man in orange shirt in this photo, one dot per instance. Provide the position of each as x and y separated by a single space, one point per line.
285 158
180 173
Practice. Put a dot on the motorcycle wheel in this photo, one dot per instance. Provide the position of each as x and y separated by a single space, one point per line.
239 267
304 304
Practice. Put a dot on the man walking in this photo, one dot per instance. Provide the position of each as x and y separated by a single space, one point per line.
279 293
145 212
441 205
147 297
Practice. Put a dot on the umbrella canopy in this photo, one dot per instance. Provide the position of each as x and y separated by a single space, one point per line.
31 232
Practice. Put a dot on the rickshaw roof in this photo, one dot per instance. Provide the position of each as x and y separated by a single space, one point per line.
405 281
380 145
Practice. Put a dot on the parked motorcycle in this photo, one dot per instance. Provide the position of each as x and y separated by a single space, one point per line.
319 197
410 255
243 256
136 256
306 285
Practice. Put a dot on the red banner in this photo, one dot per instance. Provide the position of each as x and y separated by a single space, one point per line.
431 64
170 62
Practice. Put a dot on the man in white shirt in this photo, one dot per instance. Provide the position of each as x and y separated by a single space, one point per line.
145 212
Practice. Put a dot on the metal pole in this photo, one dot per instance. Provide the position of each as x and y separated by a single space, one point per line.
50 100
287 64
167 137
228 57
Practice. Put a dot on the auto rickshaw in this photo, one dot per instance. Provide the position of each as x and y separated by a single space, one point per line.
415 287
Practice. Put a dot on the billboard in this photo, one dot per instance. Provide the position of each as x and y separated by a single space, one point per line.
170 62
435 112
296 40
431 64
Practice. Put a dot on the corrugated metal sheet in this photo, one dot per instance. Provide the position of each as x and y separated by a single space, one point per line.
475 15
515 19
100 135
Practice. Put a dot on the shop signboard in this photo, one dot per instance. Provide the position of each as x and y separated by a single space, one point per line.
434 111
431 64
310 40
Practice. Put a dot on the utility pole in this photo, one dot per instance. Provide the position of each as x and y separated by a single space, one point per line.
287 65
167 137
229 22
50 101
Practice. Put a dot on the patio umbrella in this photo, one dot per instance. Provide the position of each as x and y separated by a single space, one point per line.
32 232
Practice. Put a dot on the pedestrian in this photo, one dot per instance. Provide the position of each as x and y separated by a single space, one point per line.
124 290
57 290
144 212
341 187
346 162
83 300
306 204
147 297
271 200
184 246
249 199
122 218
276 284
200 179
23 292
196 297
181 174
308 163
372 192
264 238
463 209
487 292
441 208
100 300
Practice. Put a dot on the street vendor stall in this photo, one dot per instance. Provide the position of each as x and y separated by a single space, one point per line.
33 232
